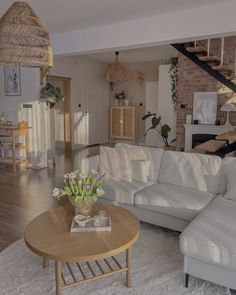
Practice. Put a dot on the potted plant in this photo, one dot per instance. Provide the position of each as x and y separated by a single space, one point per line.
82 190
51 95
120 96
163 130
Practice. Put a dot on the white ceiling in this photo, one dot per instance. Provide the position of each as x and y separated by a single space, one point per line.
65 15
157 53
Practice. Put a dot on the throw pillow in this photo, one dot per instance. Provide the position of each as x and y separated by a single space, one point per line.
154 155
140 170
114 164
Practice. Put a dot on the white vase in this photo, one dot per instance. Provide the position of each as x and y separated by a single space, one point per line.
126 102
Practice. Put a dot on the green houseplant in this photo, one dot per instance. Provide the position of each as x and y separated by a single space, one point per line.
82 190
51 95
163 130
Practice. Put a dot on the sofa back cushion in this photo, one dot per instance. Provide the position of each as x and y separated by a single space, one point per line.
114 164
229 177
152 154
201 172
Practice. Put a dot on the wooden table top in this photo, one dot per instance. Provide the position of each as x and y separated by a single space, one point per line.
49 236
211 146
230 136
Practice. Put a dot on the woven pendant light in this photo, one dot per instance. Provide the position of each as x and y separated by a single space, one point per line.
116 72
23 38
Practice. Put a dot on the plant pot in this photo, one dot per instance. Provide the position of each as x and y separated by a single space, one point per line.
50 105
81 207
170 148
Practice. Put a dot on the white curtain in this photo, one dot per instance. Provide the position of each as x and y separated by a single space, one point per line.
41 137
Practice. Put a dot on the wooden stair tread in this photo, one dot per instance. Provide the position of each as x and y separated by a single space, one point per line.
210 146
229 135
197 49
222 69
231 78
209 58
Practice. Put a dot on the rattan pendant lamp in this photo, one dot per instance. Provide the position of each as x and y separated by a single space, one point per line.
24 41
117 72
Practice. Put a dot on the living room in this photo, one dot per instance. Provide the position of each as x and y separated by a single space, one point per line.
125 139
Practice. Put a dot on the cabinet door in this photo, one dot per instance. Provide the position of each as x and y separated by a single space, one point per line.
116 122
128 123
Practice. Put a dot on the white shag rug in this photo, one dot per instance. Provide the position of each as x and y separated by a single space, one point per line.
157 269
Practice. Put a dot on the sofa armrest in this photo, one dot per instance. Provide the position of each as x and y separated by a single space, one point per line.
90 163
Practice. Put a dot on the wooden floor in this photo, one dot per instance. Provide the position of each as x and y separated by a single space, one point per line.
27 193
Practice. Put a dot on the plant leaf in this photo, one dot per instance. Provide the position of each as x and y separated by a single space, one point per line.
155 121
148 115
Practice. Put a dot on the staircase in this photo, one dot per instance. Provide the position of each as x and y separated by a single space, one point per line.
210 63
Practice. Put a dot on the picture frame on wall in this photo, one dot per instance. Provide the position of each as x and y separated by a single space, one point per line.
205 107
12 80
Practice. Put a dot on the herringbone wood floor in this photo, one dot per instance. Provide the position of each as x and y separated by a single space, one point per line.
27 193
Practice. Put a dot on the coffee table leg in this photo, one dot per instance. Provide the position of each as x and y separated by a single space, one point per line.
45 262
128 265
58 277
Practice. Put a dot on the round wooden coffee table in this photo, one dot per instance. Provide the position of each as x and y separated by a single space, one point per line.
49 236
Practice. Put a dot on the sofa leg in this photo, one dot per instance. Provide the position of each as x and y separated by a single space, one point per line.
186 280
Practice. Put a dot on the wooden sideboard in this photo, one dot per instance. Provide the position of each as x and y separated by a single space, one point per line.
124 123
13 132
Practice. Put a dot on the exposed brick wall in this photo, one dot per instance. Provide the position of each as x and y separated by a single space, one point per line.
193 79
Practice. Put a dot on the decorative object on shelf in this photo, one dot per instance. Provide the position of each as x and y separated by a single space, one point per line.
12 81
3 118
24 40
205 107
126 102
51 95
228 107
82 190
120 96
188 119
117 72
163 130
23 124
173 73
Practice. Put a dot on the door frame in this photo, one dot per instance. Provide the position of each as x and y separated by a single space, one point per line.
67 109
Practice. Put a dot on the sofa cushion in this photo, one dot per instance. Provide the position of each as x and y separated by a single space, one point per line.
201 172
140 170
184 203
154 155
229 176
122 191
114 164
211 237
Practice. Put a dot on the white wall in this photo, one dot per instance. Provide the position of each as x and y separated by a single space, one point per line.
30 84
179 26
37 116
90 122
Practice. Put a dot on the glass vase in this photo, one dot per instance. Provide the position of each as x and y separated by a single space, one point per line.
82 208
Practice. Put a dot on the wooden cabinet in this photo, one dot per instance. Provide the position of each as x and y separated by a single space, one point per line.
124 123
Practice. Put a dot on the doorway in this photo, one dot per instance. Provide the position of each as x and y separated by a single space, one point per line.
61 113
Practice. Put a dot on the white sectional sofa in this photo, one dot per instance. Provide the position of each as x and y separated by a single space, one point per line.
191 193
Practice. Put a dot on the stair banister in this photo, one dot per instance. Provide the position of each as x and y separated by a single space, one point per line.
222 51
208 47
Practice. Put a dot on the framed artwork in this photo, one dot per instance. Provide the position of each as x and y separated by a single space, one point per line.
205 107
12 80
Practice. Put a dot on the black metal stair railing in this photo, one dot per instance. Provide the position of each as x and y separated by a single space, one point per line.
205 66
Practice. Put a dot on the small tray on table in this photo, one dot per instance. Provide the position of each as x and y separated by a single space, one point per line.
90 227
